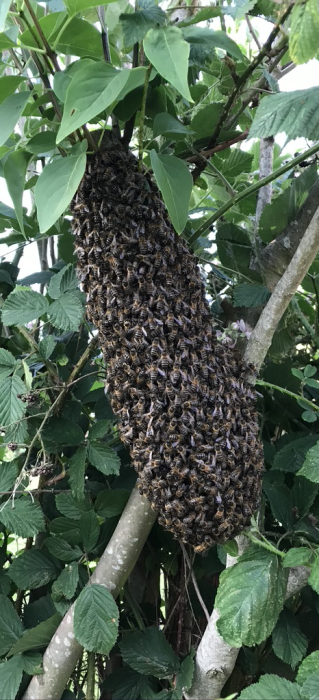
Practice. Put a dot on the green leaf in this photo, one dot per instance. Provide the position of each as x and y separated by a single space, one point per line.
10 111
77 471
38 636
111 502
250 295
271 687
310 371
8 475
250 597
309 416
22 306
11 627
4 9
67 582
15 169
149 653
166 125
64 281
103 458
42 144
12 409
62 431
310 467
295 112
205 119
303 495
313 579
22 516
280 500
291 457
46 347
175 183
7 362
304 29
32 569
212 39
32 663
297 556
231 548
99 429
62 549
90 530
8 85
184 676
10 677
91 91
127 686
62 79
66 528
310 687
70 507
66 312
56 186
135 25
168 52
234 247
78 6
96 619
309 666
288 642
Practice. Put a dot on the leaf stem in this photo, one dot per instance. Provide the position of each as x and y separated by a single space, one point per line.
90 678
313 406
142 116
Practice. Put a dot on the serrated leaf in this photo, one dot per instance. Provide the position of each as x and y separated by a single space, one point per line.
67 582
250 295
304 29
303 495
65 280
184 676
271 687
314 575
175 183
10 677
111 502
280 500
250 597
96 619
310 687
309 666
103 458
32 569
10 111
46 347
135 25
22 516
15 169
90 530
8 475
149 653
32 663
77 471
38 636
291 457
56 186
295 113
11 627
212 39
70 507
7 362
168 53
66 312
62 549
297 556
22 306
310 467
66 528
12 409
231 548
288 642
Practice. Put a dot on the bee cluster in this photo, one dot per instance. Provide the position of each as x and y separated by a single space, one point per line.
185 410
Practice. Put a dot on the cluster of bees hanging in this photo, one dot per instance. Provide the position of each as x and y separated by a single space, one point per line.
184 408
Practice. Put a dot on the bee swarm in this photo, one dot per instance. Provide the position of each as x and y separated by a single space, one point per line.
185 412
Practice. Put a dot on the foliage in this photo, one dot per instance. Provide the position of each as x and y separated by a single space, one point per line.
184 94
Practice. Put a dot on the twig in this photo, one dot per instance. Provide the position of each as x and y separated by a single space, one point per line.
104 34
142 116
252 32
195 584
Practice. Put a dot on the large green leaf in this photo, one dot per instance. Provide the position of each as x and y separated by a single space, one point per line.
310 467
10 111
65 280
90 530
62 431
250 597
271 687
56 186
309 666
22 516
250 295
128 686
10 677
310 687
70 507
8 85
11 627
212 39
77 471
15 169
66 312
304 30
136 24
297 556
67 582
22 306
165 124
96 619
4 9
288 642
37 637
168 52
63 550
103 458
91 91
175 183
291 457
32 569
12 409
149 653
280 500
66 528
296 113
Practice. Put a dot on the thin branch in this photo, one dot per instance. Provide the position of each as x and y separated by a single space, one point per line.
252 32
104 34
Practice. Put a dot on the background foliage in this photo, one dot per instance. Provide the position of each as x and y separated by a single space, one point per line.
176 85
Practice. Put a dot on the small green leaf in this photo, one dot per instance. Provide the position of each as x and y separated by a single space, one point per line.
103 458
297 556
7 362
62 549
288 642
37 637
271 687
175 183
280 500
42 144
46 347
250 295
90 530
66 528
22 306
70 507
32 663
66 312
314 575
99 429
10 111
166 125
297 373
56 186
184 676
168 53
32 569
11 627
231 548
22 516
77 471
67 582
8 475
65 280
96 619
295 113
310 371
12 409
310 467
149 653
291 457
10 677
304 29
309 666
15 169
111 502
